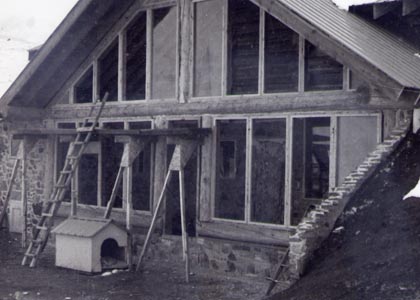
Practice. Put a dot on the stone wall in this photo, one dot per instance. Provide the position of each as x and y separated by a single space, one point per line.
318 224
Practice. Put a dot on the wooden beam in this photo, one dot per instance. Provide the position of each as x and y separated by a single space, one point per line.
381 9
409 6
206 171
185 21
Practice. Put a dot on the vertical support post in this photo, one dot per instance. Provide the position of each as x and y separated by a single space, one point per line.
333 152
206 173
129 208
289 173
154 219
301 83
74 194
185 249
184 50
24 199
121 65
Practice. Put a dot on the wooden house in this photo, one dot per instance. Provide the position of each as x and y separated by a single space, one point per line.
297 94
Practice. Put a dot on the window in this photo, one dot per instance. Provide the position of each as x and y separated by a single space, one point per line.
322 73
111 159
268 170
208 48
142 172
164 53
83 89
281 57
108 73
263 183
136 58
243 47
230 169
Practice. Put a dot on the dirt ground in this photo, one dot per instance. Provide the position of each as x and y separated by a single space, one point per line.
164 280
377 253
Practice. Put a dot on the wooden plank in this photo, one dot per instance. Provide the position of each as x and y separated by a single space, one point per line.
409 6
381 9
288 173
154 220
241 232
110 203
333 153
225 53
261 65
185 8
129 213
149 51
24 192
185 249
6 201
301 80
122 58
206 171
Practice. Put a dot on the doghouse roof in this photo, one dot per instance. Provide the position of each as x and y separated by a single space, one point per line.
82 227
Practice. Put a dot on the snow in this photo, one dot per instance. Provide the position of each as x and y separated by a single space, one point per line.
345 4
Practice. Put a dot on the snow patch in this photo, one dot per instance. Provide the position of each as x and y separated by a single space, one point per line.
345 4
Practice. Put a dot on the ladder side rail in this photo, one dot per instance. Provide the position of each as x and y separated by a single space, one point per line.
9 190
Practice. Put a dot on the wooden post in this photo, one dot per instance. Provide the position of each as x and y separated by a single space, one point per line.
9 190
206 173
184 50
24 199
129 208
185 249
154 219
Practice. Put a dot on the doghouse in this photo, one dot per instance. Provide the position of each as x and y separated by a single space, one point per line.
84 244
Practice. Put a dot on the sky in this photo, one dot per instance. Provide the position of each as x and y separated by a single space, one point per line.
25 24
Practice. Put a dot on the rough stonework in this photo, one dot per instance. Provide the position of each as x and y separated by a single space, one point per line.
318 223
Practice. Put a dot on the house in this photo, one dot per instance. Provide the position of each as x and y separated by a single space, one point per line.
303 101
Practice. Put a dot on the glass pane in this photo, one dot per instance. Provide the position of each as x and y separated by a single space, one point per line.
230 170
164 53
281 57
310 164
136 59
142 170
111 159
268 171
208 48
321 71
243 47
108 73
83 90
88 179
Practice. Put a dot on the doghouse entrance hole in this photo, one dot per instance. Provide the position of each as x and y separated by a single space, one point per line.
111 254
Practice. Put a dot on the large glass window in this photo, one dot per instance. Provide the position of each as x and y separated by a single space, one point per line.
164 53
208 48
136 58
322 73
243 47
281 57
83 89
268 170
108 73
230 169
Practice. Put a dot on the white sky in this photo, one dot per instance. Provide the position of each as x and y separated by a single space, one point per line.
25 24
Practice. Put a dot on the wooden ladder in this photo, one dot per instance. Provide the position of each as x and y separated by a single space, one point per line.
6 201
282 266
51 207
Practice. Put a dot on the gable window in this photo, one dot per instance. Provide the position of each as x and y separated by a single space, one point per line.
243 47
281 57
164 61
322 73
108 73
83 89
136 58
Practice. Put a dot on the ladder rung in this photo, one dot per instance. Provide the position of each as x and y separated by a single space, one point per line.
30 254
66 172
48 215
78 142
41 227
60 186
86 129
37 241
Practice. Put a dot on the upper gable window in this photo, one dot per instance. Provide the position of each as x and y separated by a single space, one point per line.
322 73
83 89
164 51
281 57
243 47
136 58
108 73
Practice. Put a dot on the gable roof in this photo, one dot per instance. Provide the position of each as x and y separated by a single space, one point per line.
379 49
82 227
370 51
